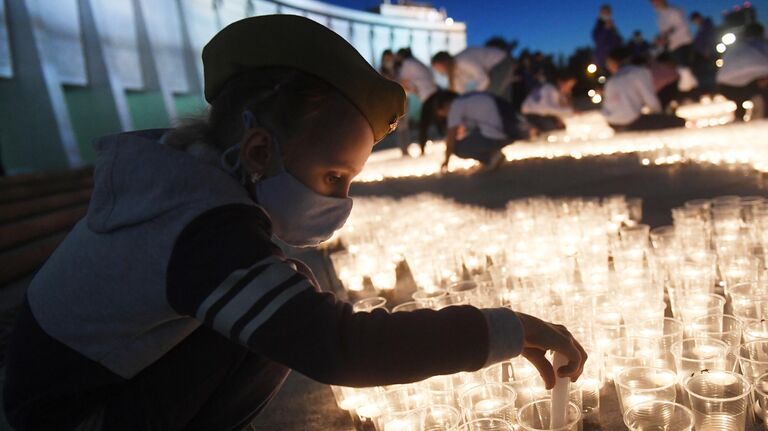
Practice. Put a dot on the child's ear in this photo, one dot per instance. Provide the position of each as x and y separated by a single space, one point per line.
256 151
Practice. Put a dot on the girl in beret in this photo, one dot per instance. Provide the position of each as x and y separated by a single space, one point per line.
170 307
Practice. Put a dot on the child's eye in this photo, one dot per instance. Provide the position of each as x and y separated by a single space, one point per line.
334 179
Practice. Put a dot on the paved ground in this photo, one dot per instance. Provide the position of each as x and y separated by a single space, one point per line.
306 405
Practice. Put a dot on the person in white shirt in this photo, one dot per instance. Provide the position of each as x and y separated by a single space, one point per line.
674 31
482 68
547 106
415 76
479 125
419 83
744 74
630 101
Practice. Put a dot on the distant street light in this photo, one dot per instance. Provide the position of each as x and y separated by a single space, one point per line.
729 38
719 62
591 93
592 68
597 99
601 79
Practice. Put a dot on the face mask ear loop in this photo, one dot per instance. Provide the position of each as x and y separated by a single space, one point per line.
231 168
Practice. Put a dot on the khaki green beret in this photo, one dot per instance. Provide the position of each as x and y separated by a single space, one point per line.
300 43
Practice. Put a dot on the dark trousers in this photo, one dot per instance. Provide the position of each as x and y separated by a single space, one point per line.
683 55
651 122
667 94
206 382
478 147
742 94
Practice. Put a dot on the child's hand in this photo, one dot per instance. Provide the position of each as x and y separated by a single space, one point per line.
541 336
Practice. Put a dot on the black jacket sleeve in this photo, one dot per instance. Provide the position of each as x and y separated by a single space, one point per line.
226 272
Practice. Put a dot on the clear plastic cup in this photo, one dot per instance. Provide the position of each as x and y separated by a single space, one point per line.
719 400
536 416
369 304
489 401
696 354
658 415
638 385
434 299
749 300
407 306
753 359
441 418
487 425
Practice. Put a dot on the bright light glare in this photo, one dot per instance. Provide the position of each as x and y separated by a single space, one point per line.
597 99
591 93
747 104
592 68
601 79
729 38
720 48
719 62
449 21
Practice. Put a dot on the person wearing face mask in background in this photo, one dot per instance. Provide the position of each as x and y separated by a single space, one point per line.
170 307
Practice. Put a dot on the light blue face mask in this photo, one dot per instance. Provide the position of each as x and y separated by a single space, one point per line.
300 216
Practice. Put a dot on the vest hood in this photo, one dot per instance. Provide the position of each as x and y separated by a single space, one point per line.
137 179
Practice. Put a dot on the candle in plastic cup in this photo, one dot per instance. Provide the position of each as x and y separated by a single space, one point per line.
638 385
536 416
753 359
696 354
441 418
719 400
489 400
761 397
658 415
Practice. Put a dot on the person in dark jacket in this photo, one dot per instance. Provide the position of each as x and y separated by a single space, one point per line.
605 35
170 307
704 54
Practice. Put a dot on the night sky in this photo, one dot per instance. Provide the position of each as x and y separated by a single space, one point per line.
558 25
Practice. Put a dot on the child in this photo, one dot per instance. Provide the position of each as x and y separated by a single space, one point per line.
548 105
479 125
480 68
630 101
169 306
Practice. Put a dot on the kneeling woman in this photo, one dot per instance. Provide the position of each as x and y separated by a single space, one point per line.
169 306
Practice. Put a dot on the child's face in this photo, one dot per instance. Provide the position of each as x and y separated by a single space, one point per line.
328 157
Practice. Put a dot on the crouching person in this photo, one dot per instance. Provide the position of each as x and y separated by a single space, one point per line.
630 101
479 125
169 306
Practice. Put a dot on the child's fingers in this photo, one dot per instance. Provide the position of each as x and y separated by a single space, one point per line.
575 359
537 358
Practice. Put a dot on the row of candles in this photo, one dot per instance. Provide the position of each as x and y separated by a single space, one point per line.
587 135
592 266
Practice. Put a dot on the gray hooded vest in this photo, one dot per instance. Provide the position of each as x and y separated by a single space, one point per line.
103 291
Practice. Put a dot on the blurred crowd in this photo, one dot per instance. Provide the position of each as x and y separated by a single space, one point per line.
485 97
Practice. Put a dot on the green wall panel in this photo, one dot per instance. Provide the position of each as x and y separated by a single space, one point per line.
147 110
92 115
189 105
